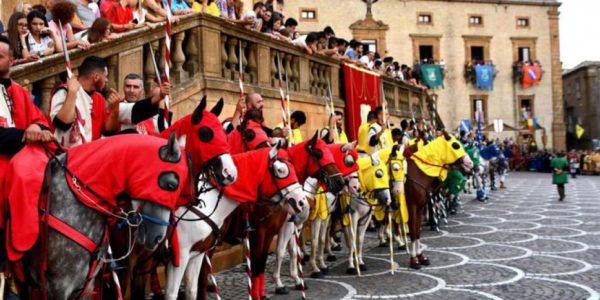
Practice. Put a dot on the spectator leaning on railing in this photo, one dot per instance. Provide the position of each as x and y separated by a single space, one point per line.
40 41
17 31
120 14
64 11
100 32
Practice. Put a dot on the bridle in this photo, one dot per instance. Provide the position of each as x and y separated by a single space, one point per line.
321 173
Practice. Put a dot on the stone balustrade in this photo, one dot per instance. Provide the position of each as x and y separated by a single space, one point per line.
206 56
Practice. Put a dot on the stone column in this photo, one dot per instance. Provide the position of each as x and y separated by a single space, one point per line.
559 135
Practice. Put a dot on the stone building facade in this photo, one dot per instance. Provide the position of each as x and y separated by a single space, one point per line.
501 32
581 86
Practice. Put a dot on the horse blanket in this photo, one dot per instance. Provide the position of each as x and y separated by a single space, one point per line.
248 138
122 165
432 157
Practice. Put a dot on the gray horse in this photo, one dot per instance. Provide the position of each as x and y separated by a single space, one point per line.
69 264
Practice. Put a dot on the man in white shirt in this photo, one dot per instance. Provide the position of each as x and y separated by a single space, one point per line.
142 115
368 59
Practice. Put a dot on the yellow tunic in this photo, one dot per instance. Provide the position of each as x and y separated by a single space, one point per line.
363 137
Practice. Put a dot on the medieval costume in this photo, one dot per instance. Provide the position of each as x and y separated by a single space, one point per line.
142 117
384 141
559 175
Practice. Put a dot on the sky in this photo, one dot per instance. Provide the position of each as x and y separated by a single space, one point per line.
579 31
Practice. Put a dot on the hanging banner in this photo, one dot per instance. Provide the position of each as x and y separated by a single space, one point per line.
498 125
531 75
579 131
484 77
362 88
432 76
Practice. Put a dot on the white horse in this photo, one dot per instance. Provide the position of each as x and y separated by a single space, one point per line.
197 230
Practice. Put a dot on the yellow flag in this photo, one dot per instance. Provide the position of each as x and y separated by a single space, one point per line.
579 131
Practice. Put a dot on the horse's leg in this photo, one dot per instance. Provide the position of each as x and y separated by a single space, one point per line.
192 273
316 228
293 252
361 238
175 274
283 239
321 249
350 236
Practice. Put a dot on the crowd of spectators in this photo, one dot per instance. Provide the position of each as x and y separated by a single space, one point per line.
33 30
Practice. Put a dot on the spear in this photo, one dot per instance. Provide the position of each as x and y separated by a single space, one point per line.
284 111
167 5
241 77
70 74
330 111
287 100
157 74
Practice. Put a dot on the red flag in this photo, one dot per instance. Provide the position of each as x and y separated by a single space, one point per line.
361 87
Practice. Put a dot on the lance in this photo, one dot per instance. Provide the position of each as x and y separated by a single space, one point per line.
299 260
247 254
284 112
212 277
330 110
70 74
157 74
167 5
287 100
114 274
241 76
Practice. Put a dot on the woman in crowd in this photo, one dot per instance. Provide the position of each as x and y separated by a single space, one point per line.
40 41
100 32
63 12
23 7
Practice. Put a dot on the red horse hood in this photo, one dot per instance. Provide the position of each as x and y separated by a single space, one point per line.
248 140
127 164
345 159
254 177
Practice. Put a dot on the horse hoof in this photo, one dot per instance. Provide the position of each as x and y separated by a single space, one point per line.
316 275
371 229
158 297
210 289
402 248
383 245
300 287
363 267
336 248
305 259
331 258
282 290
414 263
351 271
324 271
423 260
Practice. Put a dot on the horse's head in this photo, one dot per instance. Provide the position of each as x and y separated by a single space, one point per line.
455 153
319 163
374 176
205 140
345 156
154 224
396 165
284 184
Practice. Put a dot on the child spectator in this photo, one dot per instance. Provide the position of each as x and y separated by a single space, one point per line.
40 41
290 25
64 11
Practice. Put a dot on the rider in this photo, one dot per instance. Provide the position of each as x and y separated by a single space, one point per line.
297 120
78 110
338 120
559 166
20 120
252 101
363 134
143 115
379 135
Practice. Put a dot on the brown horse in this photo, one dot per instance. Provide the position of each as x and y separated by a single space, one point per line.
426 164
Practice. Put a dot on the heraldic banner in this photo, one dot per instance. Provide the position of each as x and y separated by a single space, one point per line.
362 87
432 76
484 77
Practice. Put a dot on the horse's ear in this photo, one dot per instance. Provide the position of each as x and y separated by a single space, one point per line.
313 140
218 108
182 140
446 135
348 146
395 149
171 151
199 111
273 151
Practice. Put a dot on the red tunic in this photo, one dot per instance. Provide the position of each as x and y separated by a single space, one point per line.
115 13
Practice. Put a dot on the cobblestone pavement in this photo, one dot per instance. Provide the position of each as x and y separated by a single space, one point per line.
524 244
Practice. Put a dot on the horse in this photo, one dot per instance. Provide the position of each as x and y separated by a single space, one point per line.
204 139
375 191
265 173
424 165
80 193
345 156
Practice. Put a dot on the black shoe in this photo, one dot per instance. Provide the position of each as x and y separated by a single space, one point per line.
282 290
331 258
337 247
